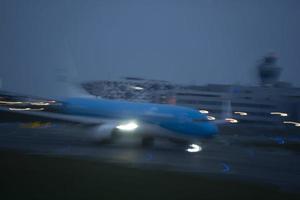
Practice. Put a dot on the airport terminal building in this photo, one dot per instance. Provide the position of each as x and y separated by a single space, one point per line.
248 104
271 103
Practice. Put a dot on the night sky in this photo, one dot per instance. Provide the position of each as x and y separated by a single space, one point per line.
183 41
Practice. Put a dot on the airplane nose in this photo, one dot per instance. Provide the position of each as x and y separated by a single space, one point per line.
211 129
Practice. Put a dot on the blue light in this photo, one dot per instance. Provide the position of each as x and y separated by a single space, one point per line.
279 140
226 167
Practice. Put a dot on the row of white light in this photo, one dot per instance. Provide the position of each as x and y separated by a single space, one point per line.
230 120
210 118
32 103
282 114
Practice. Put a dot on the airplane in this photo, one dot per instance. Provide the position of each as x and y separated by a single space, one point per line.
105 120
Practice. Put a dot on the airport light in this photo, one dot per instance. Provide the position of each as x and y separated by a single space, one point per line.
34 109
17 109
31 103
291 122
11 102
137 88
231 120
130 126
194 148
279 113
204 111
241 113
25 109
211 118
40 103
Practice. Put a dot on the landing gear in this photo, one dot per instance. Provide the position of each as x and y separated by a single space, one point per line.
147 142
114 136
179 142
109 140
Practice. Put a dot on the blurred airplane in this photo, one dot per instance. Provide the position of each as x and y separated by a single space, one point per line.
105 120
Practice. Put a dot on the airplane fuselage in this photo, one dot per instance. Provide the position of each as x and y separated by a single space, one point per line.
183 121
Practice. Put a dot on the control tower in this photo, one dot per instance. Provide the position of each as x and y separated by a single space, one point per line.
268 71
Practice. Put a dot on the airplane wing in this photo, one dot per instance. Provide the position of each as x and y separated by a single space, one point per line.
22 115
16 108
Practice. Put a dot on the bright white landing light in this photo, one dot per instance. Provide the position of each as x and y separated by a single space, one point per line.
130 126
194 148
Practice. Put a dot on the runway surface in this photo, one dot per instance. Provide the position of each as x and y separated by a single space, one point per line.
257 158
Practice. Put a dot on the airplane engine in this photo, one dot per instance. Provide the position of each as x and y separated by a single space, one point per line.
103 132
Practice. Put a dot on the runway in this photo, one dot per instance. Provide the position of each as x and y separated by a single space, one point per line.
256 158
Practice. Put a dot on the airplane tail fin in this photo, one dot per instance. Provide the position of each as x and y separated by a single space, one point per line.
67 77
70 86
